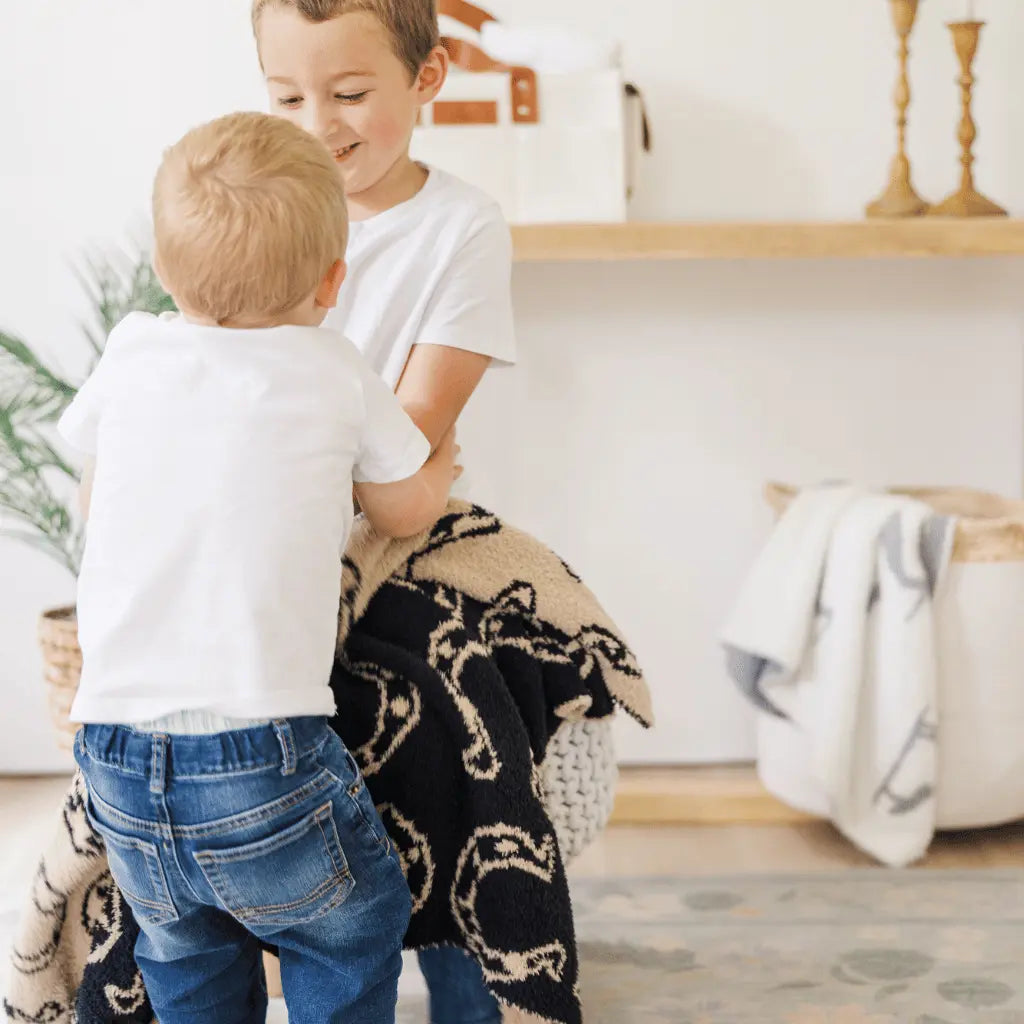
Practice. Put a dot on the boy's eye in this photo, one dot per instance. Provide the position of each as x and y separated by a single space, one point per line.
351 97
289 101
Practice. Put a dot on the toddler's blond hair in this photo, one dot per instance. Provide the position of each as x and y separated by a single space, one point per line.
411 24
249 215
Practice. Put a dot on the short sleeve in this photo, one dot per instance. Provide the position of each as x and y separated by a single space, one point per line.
80 421
392 447
79 424
471 307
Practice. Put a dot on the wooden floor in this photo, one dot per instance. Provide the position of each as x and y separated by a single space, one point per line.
28 816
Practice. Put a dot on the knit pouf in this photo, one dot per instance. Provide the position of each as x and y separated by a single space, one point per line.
579 776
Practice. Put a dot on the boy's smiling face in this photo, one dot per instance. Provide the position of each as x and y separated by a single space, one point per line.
342 81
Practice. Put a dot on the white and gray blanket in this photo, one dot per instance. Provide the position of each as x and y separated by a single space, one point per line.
833 631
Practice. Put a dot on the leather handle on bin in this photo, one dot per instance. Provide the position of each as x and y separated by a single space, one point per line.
634 93
465 13
523 81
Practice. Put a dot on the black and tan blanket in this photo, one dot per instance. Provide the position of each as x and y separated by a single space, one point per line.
461 652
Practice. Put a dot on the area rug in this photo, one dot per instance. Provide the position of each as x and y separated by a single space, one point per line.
857 947
853 947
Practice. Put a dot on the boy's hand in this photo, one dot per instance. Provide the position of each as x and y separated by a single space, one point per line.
447 455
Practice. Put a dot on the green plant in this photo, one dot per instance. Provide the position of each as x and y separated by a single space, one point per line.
36 480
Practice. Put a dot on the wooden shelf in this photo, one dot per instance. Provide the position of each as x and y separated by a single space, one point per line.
868 239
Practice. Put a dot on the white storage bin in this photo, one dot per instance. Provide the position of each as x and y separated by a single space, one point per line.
548 147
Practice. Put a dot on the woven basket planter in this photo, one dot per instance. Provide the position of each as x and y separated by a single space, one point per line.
62 661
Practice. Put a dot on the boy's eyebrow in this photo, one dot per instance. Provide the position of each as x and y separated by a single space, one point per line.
356 73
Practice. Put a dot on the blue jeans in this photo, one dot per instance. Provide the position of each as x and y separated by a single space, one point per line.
458 994
263 833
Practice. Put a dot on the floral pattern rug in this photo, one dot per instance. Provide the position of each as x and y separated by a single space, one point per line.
853 947
857 947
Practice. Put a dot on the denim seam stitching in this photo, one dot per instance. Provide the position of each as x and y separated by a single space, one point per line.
342 878
322 781
243 912
155 872
271 844
286 739
358 786
153 827
119 765
243 768
334 846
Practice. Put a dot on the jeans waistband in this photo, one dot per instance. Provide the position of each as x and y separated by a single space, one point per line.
280 744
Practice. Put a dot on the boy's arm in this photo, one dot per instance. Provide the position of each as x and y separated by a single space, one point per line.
436 384
406 507
466 324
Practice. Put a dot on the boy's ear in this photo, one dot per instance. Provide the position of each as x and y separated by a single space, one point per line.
432 75
326 296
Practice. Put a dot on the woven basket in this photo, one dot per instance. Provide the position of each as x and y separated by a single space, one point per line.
989 528
62 660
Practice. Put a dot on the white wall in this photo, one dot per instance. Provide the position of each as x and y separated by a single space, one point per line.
652 400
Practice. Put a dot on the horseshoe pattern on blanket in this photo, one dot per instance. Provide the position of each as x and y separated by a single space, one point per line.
454 527
520 599
101 915
351 581
413 851
81 834
597 642
448 653
399 710
504 848
589 644
126 1000
52 905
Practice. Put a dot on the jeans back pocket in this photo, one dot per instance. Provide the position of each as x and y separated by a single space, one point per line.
136 868
289 878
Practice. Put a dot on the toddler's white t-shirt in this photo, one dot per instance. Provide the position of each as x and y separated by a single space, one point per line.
434 270
221 505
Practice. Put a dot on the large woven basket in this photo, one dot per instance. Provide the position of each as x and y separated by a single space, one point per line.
989 528
62 660
979 657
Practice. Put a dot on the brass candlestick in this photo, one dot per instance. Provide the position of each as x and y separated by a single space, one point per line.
900 199
967 201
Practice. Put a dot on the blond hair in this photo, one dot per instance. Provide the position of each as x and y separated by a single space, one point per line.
410 24
249 215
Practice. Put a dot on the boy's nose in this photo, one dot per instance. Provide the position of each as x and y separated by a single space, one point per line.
322 123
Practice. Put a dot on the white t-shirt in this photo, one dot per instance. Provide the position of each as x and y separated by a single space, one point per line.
434 270
220 509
